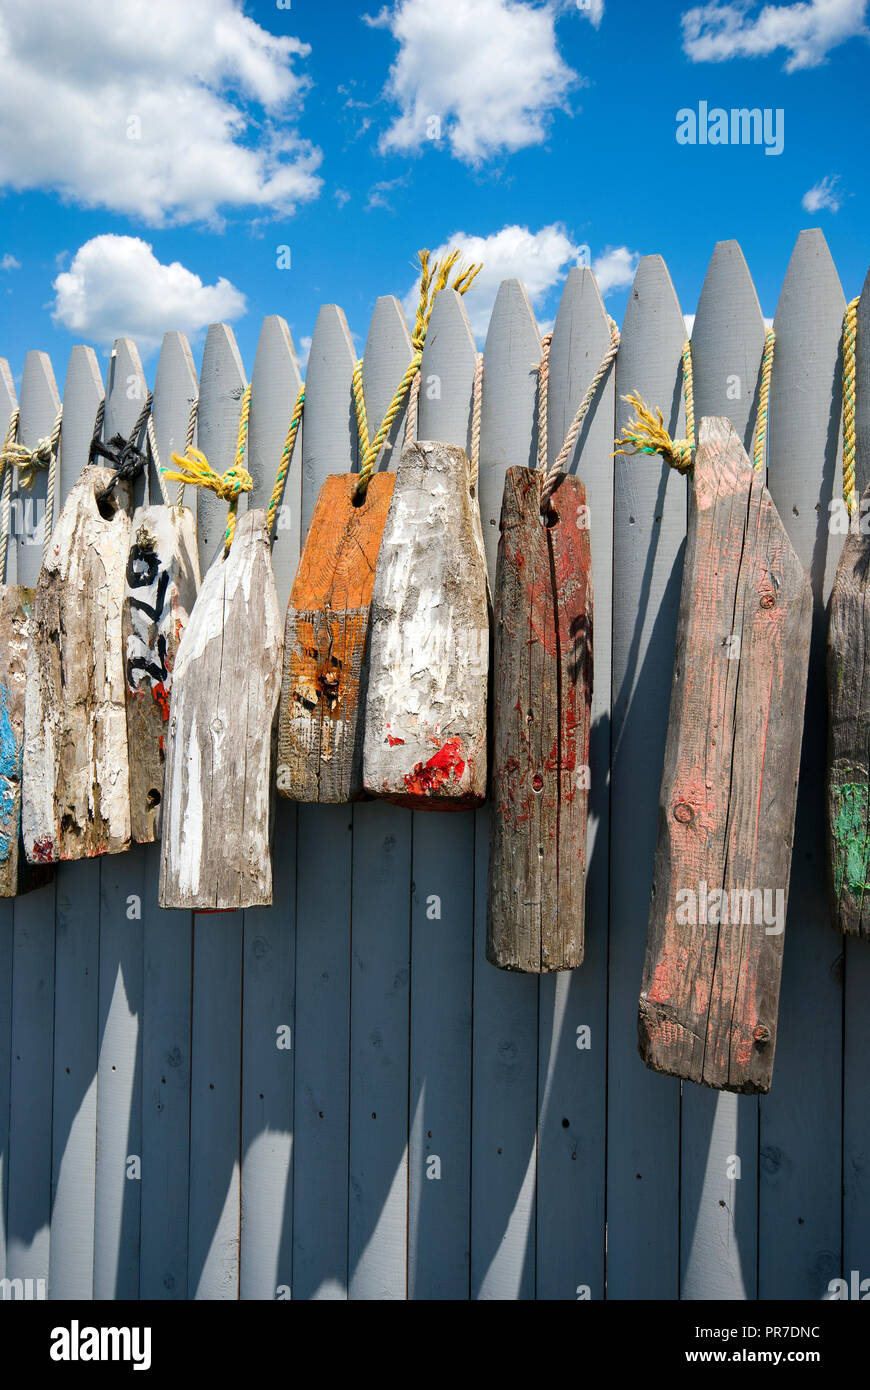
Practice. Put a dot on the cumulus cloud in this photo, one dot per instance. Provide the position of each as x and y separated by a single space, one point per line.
540 259
490 73
166 113
116 288
8 262
807 30
824 194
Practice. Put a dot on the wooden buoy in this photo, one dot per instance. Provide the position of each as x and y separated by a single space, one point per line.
710 993
320 728
542 693
222 732
425 726
161 586
76 793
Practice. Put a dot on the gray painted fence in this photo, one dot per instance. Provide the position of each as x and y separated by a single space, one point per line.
431 1127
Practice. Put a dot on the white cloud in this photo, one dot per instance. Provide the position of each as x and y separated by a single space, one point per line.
303 350
540 259
489 72
145 110
8 262
824 194
807 30
116 288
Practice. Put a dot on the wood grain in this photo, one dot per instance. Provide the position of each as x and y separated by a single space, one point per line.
16 625
161 585
321 720
221 738
425 736
542 693
76 795
709 1000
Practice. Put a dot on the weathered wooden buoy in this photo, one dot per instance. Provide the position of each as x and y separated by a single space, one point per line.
710 992
542 692
320 726
425 729
76 795
848 763
162 580
222 732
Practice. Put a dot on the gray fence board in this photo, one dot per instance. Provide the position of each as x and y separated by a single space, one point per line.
323 898
801 1118
76 1007
38 405
649 528
505 1070
719 1212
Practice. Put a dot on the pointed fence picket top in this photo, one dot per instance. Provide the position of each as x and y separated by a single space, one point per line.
275 385
215 1134
38 405
166 943
175 393
571 1082
856 1115
29 1183
222 385
76 967
801 1164
126 390
649 528
323 897
441 950
719 1212
378 1157
269 946
505 1034
8 403
117 1218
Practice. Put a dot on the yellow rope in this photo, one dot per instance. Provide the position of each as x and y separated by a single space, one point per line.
850 337
432 281
763 399
31 462
278 489
195 469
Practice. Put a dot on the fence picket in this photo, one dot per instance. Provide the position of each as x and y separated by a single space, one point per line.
8 402
719 1225
76 968
275 384
323 898
380 911
505 1046
649 528
801 1118
215 1078
30 1103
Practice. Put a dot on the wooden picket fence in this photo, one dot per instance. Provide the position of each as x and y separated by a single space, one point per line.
437 1128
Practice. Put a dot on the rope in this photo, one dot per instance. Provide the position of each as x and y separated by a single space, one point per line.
476 402
6 503
646 433
30 462
553 476
188 444
286 453
125 456
850 338
411 417
194 468
151 436
431 283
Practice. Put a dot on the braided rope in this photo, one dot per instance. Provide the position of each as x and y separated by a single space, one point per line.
646 434
286 454
30 462
124 455
553 476
850 339
6 503
411 416
689 394
476 405
188 444
763 400
195 469
155 459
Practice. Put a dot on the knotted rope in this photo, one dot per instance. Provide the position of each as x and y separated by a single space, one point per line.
552 476
286 454
124 455
6 503
646 433
432 281
476 406
850 339
29 463
195 469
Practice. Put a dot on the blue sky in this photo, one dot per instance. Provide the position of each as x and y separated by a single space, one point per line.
215 133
